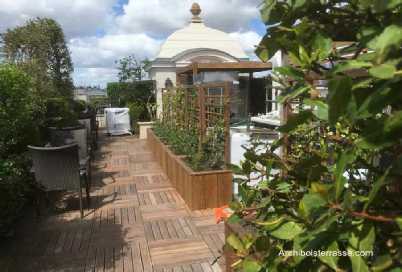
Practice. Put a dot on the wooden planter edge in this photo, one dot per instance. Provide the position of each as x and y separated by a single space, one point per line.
200 190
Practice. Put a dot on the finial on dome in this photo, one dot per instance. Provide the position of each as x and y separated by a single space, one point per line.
196 11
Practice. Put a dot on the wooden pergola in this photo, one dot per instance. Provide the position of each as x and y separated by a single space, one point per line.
249 67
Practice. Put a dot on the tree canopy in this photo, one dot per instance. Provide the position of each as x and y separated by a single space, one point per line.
40 49
131 69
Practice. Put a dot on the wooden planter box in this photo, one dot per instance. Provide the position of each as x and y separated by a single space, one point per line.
200 190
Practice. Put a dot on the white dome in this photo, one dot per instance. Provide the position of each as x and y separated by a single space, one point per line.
198 36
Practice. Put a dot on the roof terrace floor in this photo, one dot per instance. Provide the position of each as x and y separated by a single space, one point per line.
136 222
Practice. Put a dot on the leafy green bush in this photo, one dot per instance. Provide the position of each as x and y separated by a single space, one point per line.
336 186
121 94
62 112
136 111
137 96
21 114
182 142
16 189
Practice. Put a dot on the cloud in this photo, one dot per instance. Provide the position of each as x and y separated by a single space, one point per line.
161 17
98 33
102 52
77 17
248 41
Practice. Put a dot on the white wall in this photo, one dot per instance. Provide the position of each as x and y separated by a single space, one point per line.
160 75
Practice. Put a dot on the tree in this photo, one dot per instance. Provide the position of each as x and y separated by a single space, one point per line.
337 187
40 49
130 69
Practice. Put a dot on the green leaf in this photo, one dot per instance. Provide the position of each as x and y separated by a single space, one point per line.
375 189
310 204
350 65
340 180
363 237
235 243
296 120
283 187
262 53
320 109
393 124
339 97
399 222
322 46
263 243
251 266
358 263
233 219
287 231
293 93
271 223
331 261
383 131
272 12
298 4
382 263
290 72
383 71
248 240
321 189
304 57
294 59
383 5
391 37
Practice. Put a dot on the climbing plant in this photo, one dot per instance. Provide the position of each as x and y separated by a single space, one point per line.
327 195
181 128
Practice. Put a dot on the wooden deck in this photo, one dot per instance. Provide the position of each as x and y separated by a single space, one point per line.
137 222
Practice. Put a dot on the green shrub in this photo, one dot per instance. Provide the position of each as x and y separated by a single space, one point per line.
21 114
136 111
62 112
336 188
186 142
16 189
121 94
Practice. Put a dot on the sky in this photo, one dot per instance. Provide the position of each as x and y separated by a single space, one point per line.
99 32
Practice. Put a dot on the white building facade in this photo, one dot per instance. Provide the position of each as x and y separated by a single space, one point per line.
194 43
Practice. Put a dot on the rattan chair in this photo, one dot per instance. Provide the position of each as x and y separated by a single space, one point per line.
58 168
78 135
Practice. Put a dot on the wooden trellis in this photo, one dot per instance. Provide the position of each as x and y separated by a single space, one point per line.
204 107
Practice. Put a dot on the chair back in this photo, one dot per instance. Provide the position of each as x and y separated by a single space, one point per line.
56 168
66 136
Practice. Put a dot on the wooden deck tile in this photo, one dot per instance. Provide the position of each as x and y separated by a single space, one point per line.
136 222
167 252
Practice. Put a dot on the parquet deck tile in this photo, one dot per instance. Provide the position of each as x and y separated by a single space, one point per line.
136 222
